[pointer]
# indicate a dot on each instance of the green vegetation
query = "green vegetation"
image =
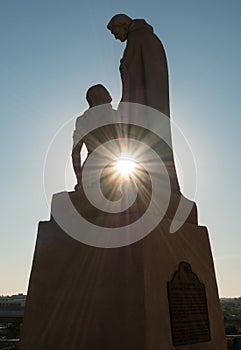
(9, 330)
(231, 308)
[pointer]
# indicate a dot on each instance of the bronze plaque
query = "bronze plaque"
(188, 307)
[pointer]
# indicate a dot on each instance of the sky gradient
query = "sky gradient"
(53, 51)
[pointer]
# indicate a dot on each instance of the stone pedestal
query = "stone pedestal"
(159, 293)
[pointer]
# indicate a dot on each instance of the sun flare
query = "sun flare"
(126, 165)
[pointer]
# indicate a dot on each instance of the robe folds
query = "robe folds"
(143, 68)
(144, 75)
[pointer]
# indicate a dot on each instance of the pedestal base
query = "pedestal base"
(87, 298)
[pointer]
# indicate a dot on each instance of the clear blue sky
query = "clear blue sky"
(52, 51)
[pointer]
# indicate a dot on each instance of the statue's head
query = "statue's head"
(119, 25)
(98, 95)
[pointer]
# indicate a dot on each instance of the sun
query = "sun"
(125, 165)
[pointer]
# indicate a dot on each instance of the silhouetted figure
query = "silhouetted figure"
(96, 95)
(143, 66)
(144, 76)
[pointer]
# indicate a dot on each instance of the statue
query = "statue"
(143, 67)
(96, 95)
(144, 76)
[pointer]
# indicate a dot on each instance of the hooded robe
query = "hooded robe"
(144, 76)
(143, 68)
